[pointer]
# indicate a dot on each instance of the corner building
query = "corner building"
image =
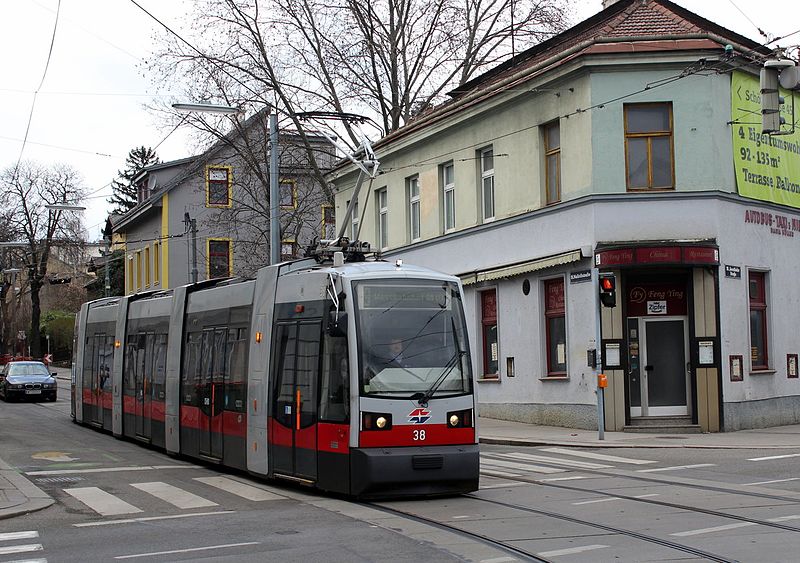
(627, 143)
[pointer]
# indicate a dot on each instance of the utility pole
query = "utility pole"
(274, 192)
(107, 291)
(191, 228)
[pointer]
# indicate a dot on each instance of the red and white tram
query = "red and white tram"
(352, 377)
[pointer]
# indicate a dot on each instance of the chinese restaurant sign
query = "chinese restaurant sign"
(767, 167)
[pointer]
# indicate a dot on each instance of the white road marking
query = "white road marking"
(110, 469)
(102, 502)
(555, 460)
(148, 519)
(674, 468)
(498, 473)
(784, 518)
(570, 550)
(775, 481)
(601, 457)
(523, 466)
(714, 529)
(28, 561)
(503, 485)
(595, 501)
(499, 560)
(573, 478)
(174, 495)
(20, 548)
(646, 496)
(188, 550)
(240, 489)
(771, 457)
(19, 535)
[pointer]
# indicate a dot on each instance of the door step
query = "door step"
(300, 480)
(663, 425)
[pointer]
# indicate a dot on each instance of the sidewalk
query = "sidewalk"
(493, 431)
(18, 495)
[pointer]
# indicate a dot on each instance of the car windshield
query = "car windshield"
(27, 369)
(412, 338)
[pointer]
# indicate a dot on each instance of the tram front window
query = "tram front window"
(411, 339)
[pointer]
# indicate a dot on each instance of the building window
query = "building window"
(288, 194)
(449, 197)
(381, 205)
(758, 320)
(147, 266)
(489, 332)
(552, 161)
(486, 157)
(288, 249)
(131, 275)
(648, 146)
(328, 222)
(218, 186)
(354, 219)
(219, 258)
(555, 327)
(156, 262)
(412, 187)
(138, 270)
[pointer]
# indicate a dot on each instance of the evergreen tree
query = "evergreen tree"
(124, 197)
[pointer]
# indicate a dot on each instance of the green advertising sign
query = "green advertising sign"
(767, 166)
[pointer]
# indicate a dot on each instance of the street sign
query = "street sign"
(48, 358)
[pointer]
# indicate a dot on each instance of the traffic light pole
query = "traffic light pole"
(598, 364)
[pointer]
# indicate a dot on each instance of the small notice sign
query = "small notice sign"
(580, 276)
(656, 307)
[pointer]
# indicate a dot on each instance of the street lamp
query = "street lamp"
(64, 207)
(274, 189)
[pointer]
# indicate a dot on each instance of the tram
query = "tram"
(344, 373)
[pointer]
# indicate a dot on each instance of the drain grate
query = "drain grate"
(59, 479)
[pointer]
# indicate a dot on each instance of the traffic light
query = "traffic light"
(608, 290)
(775, 73)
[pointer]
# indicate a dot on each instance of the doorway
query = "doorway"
(659, 384)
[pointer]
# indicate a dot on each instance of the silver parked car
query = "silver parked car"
(27, 380)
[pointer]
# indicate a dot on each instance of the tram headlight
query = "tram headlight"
(460, 419)
(376, 421)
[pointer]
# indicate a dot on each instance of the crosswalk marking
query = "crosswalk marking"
(601, 457)
(675, 467)
(554, 460)
(595, 501)
(238, 488)
(11, 549)
(174, 495)
(773, 481)
(29, 561)
(491, 462)
(571, 550)
(149, 519)
(102, 502)
(714, 529)
(111, 469)
(9, 536)
(493, 473)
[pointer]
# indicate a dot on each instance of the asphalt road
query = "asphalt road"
(117, 500)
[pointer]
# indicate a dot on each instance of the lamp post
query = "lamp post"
(274, 175)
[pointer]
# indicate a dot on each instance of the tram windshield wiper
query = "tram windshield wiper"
(450, 366)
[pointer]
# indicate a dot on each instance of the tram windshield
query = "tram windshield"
(411, 338)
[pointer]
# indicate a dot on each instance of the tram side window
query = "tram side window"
(283, 392)
(236, 378)
(105, 375)
(159, 366)
(307, 374)
(335, 399)
(89, 358)
(190, 376)
(129, 380)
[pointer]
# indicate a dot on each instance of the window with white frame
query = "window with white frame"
(412, 186)
(382, 208)
(486, 157)
(354, 219)
(449, 197)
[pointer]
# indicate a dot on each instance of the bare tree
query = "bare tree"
(25, 191)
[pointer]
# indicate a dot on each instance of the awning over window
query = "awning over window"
(511, 270)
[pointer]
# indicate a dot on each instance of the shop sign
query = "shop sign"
(650, 299)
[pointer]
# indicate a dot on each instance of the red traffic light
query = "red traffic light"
(608, 290)
(607, 284)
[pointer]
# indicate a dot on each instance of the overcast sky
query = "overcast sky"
(89, 110)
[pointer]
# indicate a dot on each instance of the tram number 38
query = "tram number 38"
(419, 435)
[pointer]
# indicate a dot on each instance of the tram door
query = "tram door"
(97, 376)
(293, 429)
(212, 392)
(143, 382)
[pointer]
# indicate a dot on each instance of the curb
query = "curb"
(30, 497)
(567, 444)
